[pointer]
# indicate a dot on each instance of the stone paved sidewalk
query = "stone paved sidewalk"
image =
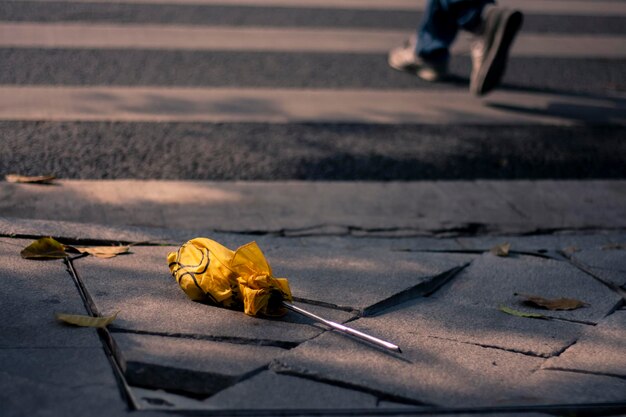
(436, 298)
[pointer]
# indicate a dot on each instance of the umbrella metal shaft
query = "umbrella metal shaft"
(344, 329)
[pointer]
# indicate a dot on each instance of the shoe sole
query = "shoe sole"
(494, 66)
(425, 74)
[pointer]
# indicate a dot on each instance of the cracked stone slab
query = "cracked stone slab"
(601, 349)
(434, 207)
(556, 387)
(199, 367)
(150, 300)
(488, 327)
(58, 382)
(75, 231)
(430, 371)
(607, 263)
(269, 390)
(541, 242)
(364, 279)
(491, 281)
(34, 291)
(357, 243)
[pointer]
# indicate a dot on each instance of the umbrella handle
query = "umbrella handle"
(345, 329)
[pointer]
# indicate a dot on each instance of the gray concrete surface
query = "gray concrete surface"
(186, 365)
(600, 350)
(432, 317)
(431, 371)
(47, 368)
(364, 280)
(492, 281)
(458, 350)
(555, 387)
(418, 208)
(140, 286)
(32, 293)
(289, 392)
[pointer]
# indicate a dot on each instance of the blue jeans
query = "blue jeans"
(441, 23)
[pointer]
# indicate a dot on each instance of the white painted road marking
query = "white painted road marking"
(89, 35)
(546, 7)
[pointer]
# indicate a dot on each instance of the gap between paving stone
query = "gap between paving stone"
(196, 367)
(151, 301)
(491, 281)
(486, 346)
(365, 279)
(600, 350)
(189, 336)
(420, 290)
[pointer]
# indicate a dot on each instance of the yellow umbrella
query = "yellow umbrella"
(208, 271)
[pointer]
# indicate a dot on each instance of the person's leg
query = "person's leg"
(441, 23)
(491, 48)
(427, 54)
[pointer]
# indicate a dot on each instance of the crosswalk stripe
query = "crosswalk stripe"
(274, 105)
(551, 7)
(84, 35)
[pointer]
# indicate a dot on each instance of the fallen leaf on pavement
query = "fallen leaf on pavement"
(614, 246)
(501, 250)
(571, 250)
(518, 313)
(552, 304)
(103, 252)
(44, 248)
(85, 321)
(24, 179)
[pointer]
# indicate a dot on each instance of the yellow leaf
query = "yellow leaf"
(44, 248)
(552, 304)
(501, 250)
(518, 313)
(104, 252)
(85, 321)
(23, 179)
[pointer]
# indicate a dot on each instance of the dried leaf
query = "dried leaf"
(23, 179)
(571, 250)
(85, 321)
(614, 246)
(518, 313)
(103, 252)
(501, 250)
(552, 304)
(44, 248)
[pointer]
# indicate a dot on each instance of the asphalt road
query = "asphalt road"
(315, 151)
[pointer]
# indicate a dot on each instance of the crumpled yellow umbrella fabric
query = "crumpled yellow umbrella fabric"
(208, 271)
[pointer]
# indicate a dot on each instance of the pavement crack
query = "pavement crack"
(108, 344)
(587, 270)
(281, 368)
(487, 346)
(563, 349)
(506, 201)
(331, 306)
(423, 289)
(223, 339)
(580, 371)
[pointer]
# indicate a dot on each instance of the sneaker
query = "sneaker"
(490, 51)
(404, 58)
